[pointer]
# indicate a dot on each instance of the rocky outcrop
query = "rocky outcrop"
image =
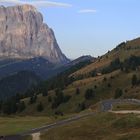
(24, 35)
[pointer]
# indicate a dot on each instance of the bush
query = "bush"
(89, 94)
(105, 79)
(109, 85)
(77, 91)
(134, 80)
(95, 87)
(45, 93)
(49, 99)
(40, 107)
(66, 98)
(59, 113)
(81, 106)
(21, 106)
(33, 99)
(118, 93)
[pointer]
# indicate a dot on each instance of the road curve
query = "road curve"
(106, 105)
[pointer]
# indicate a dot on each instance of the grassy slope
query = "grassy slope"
(116, 79)
(120, 80)
(105, 60)
(99, 127)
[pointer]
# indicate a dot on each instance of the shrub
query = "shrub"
(21, 106)
(109, 85)
(89, 94)
(49, 99)
(45, 93)
(77, 91)
(134, 80)
(33, 99)
(81, 106)
(59, 113)
(95, 87)
(118, 93)
(40, 107)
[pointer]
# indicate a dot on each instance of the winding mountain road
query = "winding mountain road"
(106, 106)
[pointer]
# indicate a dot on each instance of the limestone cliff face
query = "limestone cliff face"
(24, 35)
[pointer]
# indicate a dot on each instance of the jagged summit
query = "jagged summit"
(25, 7)
(24, 35)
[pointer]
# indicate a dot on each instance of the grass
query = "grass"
(99, 127)
(14, 125)
(102, 91)
(126, 106)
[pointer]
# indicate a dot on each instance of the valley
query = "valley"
(44, 95)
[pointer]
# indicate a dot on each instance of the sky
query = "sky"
(88, 27)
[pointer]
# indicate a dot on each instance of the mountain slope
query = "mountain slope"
(123, 51)
(18, 83)
(39, 65)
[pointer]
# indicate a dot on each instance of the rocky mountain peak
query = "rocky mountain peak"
(23, 35)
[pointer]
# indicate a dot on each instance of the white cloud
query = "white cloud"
(39, 3)
(87, 11)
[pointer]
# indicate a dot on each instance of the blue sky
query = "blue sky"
(91, 26)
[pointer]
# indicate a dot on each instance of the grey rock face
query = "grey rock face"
(23, 35)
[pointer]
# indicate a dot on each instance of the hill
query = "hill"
(113, 78)
(18, 83)
(105, 126)
(122, 51)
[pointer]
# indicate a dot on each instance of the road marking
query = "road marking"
(126, 112)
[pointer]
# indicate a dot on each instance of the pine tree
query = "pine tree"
(134, 80)
(21, 106)
(40, 107)
(45, 93)
(77, 91)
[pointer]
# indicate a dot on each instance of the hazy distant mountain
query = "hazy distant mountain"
(24, 35)
(18, 83)
(81, 59)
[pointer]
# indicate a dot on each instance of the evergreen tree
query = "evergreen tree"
(49, 99)
(134, 80)
(45, 93)
(21, 106)
(89, 94)
(40, 107)
(77, 91)
(118, 93)
(33, 99)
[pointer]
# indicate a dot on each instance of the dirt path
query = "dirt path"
(126, 112)
(36, 136)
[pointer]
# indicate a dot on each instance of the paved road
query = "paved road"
(12, 137)
(59, 123)
(106, 105)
